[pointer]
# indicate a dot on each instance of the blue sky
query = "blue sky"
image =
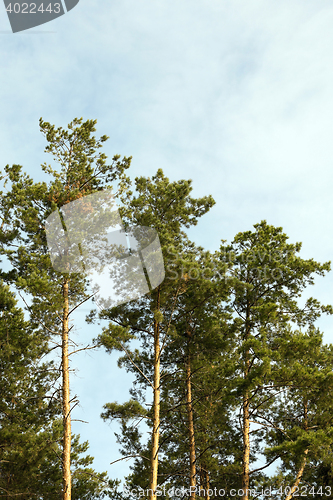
(237, 96)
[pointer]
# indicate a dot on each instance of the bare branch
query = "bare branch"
(83, 349)
(136, 366)
(267, 465)
(128, 457)
(78, 305)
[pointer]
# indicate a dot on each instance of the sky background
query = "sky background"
(237, 96)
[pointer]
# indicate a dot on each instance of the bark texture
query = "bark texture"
(204, 482)
(156, 407)
(246, 447)
(298, 477)
(66, 453)
(190, 429)
(303, 463)
(246, 414)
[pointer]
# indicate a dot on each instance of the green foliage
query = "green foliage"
(114, 336)
(25, 205)
(233, 318)
(229, 325)
(30, 429)
(130, 409)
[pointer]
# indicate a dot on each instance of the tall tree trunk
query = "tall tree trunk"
(303, 463)
(204, 471)
(246, 446)
(298, 477)
(207, 485)
(246, 414)
(202, 481)
(156, 406)
(66, 453)
(190, 428)
(8, 484)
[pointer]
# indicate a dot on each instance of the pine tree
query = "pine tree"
(271, 277)
(300, 425)
(192, 392)
(27, 408)
(25, 208)
(168, 208)
(30, 429)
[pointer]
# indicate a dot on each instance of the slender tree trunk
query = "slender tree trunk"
(207, 485)
(246, 416)
(303, 464)
(66, 454)
(202, 481)
(8, 484)
(246, 447)
(190, 428)
(204, 471)
(298, 477)
(156, 407)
